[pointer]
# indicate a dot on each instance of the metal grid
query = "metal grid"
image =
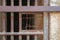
(12, 33)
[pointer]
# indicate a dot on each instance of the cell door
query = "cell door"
(22, 25)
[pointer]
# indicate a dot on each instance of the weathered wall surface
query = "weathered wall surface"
(39, 24)
(55, 26)
(39, 21)
(58, 25)
(40, 2)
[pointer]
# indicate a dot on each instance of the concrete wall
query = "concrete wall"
(40, 2)
(55, 26)
(39, 24)
(39, 21)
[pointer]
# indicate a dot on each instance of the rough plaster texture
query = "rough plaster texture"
(55, 26)
(39, 21)
(40, 2)
(39, 24)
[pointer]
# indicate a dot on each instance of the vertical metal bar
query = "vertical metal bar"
(12, 21)
(46, 21)
(35, 37)
(46, 26)
(36, 3)
(20, 2)
(46, 2)
(4, 24)
(20, 37)
(12, 2)
(12, 25)
(28, 2)
(4, 2)
(27, 37)
(20, 25)
(4, 20)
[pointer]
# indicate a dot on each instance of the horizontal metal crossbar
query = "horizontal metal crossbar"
(29, 8)
(20, 33)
